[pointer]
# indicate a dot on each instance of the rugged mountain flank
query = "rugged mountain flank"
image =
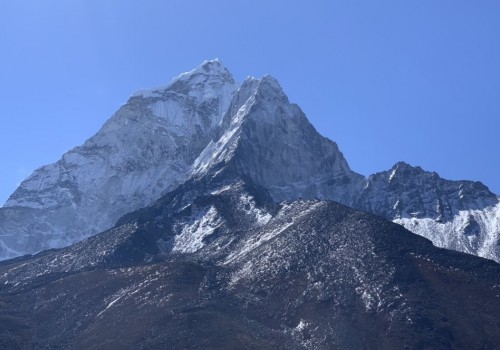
(203, 122)
(271, 141)
(217, 264)
(144, 149)
(242, 246)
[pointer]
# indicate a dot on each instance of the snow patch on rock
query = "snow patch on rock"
(453, 234)
(203, 224)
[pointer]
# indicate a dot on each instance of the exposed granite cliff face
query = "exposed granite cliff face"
(410, 192)
(270, 140)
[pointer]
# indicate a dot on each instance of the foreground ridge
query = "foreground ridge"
(217, 263)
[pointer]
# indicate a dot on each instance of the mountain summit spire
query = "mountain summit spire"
(209, 72)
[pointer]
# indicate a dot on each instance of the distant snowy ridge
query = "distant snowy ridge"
(458, 215)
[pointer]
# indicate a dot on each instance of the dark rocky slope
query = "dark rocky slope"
(216, 264)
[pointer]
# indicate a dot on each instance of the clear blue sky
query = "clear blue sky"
(388, 80)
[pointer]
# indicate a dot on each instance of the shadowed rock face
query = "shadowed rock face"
(216, 264)
(271, 141)
(412, 192)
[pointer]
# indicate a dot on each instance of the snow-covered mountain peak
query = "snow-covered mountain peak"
(400, 170)
(145, 148)
(266, 87)
(209, 73)
(196, 99)
(269, 90)
(204, 124)
(209, 67)
(271, 84)
(405, 166)
(265, 95)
